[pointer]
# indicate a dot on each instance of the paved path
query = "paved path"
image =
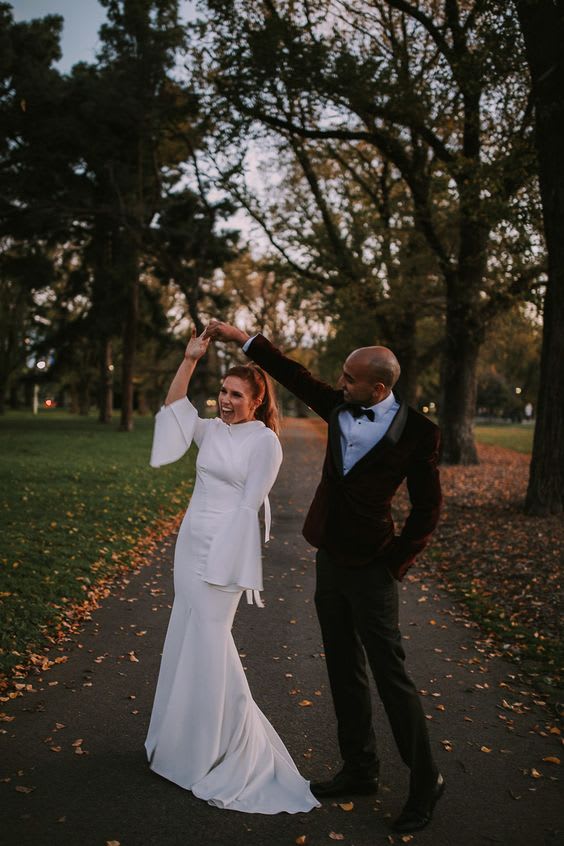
(486, 732)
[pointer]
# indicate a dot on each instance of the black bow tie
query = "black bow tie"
(358, 411)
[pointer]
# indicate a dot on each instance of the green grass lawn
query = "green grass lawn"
(74, 494)
(517, 437)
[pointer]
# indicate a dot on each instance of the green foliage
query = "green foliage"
(101, 177)
(74, 495)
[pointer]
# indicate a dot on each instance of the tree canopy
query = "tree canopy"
(388, 153)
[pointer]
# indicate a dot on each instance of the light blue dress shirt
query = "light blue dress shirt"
(359, 434)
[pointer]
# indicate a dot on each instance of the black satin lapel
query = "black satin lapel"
(397, 425)
(335, 439)
(389, 440)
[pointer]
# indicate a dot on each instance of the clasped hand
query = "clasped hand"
(215, 330)
(220, 331)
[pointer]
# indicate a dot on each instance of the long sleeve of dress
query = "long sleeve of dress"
(234, 558)
(176, 426)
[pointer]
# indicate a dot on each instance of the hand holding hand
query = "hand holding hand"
(224, 332)
(197, 346)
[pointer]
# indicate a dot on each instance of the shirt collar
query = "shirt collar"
(383, 406)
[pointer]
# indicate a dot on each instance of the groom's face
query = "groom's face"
(358, 385)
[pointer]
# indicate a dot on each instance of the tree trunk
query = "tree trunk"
(14, 395)
(104, 309)
(84, 397)
(142, 404)
(542, 25)
(74, 406)
(405, 348)
(459, 382)
(106, 397)
(129, 345)
(3, 391)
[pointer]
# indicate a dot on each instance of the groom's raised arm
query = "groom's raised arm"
(318, 395)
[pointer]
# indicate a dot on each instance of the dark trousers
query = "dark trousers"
(358, 614)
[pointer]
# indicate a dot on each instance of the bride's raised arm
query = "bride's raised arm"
(195, 349)
(177, 423)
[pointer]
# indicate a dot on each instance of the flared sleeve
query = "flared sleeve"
(234, 558)
(176, 426)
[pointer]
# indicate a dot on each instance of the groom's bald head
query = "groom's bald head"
(379, 364)
(369, 374)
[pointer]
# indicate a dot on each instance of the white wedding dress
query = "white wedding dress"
(206, 733)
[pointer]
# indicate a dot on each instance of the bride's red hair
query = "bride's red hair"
(262, 390)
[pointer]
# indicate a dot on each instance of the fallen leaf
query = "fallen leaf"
(551, 759)
(305, 703)
(535, 773)
(346, 806)
(21, 789)
(299, 841)
(485, 749)
(334, 836)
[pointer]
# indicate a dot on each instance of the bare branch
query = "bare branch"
(425, 21)
(306, 272)
(340, 250)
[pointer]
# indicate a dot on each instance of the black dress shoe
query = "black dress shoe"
(418, 813)
(346, 784)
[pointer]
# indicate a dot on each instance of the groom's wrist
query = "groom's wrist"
(247, 342)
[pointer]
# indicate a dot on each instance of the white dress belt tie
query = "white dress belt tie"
(255, 594)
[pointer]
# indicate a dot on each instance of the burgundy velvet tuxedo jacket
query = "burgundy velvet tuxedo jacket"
(350, 516)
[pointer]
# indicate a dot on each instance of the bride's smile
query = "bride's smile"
(236, 402)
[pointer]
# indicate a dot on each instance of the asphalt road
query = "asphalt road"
(72, 765)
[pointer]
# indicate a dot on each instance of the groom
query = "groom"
(375, 441)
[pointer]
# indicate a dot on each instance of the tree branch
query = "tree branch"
(303, 271)
(360, 180)
(500, 300)
(425, 21)
(340, 251)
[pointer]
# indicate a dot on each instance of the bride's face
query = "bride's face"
(236, 403)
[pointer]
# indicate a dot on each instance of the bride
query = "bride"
(206, 733)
